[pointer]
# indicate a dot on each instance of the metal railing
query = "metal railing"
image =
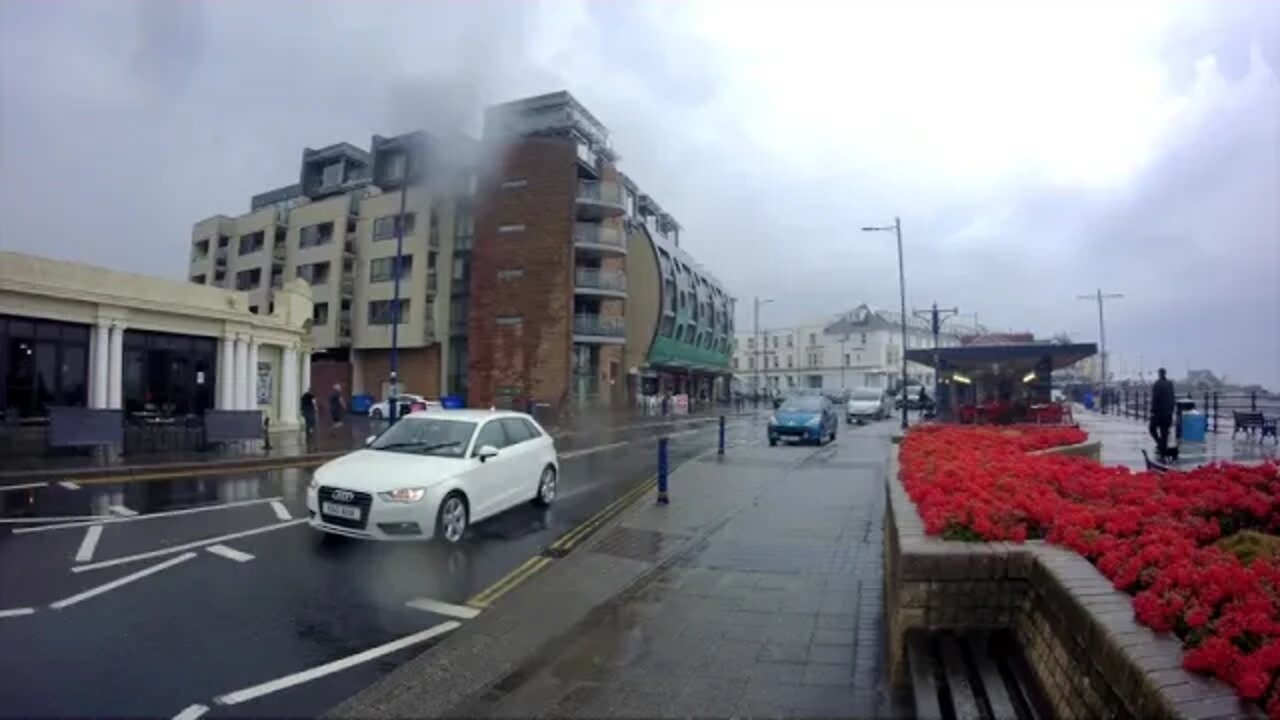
(600, 279)
(600, 191)
(599, 325)
(1218, 407)
(595, 234)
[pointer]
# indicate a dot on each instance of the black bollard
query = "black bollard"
(663, 499)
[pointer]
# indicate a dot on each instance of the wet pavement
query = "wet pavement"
(1124, 439)
(152, 596)
(774, 608)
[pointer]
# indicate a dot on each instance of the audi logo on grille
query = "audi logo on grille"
(343, 495)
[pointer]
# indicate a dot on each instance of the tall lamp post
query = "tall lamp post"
(936, 317)
(1101, 297)
(758, 354)
(896, 228)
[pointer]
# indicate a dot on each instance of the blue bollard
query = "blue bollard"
(721, 450)
(662, 472)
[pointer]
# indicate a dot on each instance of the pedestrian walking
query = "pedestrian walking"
(1162, 405)
(308, 409)
(337, 408)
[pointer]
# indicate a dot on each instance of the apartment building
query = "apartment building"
(559, 310)
(859, 348)
(337, 229)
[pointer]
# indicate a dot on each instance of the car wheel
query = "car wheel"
(376, 414)
(546, 487)
(451, 518)
(773, 442)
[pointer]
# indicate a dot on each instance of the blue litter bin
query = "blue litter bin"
(452, 402)
(360, 404)
(1194, 425)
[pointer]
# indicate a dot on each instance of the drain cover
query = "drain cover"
(633, 544)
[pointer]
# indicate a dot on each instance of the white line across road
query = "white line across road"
(92, 592)
(588, 451)
(16, 612)
(111, 519)
(191, 712)
(78, 520)
(122, 511)
(281, 511)
(69, 485)
(686, 432)
(229, 553)
(24, 486)
(184, 547)
(465, 612)
(288, 681)
(89, 544)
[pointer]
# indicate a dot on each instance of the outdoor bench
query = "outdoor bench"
(1252, 423)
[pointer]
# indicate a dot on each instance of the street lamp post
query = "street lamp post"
(896, 227)
(843, 358)
(936, 317)
(758, 354)
(1101, 297)
(393, 404)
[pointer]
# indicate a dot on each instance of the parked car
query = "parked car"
(804, 417)
(431, 475)
(867, 404)
(408, 403)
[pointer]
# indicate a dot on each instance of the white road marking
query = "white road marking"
(121, 510)
(282, 512)
(288, 681)
(69, 484)
(111, 519)
(229, 553)
(89, 544)
(120, 581)
(686, 432)
(443, 608)
(24, 486)
(187, 546)
(191, 712)
(80, 520)
(588, 451)
(15, 612)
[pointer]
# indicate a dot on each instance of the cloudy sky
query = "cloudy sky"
(1034, 151)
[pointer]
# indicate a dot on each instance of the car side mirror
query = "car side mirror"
(486, 451)
(369, 440)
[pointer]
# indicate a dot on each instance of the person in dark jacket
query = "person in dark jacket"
(337, 408)
(1162, 406)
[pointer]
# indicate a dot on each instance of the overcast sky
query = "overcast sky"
(1034, 151)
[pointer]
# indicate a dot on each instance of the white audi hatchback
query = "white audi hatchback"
(432, 474)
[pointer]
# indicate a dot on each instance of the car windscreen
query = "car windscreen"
(426, 436)
(866, 394)
(802, 404)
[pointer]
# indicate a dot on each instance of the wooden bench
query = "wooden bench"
(972, 674)
(1254, 423)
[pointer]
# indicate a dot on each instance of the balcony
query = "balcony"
(278, 252)
(600, 330)
(598, 200)
(220, 257)
(344, 326)
(599, 239)
(602, 283)
(588, 158)
(347, 287)
(349, 246)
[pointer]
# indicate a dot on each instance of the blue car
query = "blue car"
(804, 417)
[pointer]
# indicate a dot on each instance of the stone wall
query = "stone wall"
(1087, 651)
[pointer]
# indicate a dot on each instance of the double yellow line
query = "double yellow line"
(564, 544)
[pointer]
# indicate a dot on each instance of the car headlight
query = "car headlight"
(315, 483)
(815, 421)
(404, 495)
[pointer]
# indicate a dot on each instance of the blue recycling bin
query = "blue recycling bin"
(360, 404)
(1194, 425)
(452, 402)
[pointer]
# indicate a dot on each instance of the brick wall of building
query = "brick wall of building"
(531, 358)
(418, 369)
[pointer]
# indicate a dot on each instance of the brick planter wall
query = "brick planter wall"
(1089, 654)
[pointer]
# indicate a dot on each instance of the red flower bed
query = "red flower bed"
(1152, 535)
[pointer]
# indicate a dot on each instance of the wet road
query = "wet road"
(204, 587)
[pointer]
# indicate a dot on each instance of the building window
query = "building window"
(253, 309)
(320, 314)
(384, 228)
(224, 240)
(201, 249)
(252, 242)
(668, 326)
(846, 358)
(383, 269)
(249, 279)
(775, 362)
(864, 338)
(313, 235)
(198, 279)
(508, 320)
(514, 228)
(735, 363)
(751, 362)
(813, 339)
(775, 342)
(751, 343)
(789, 360)
(509, 275)
(380, 311)
(514, 183)
(433, 228)
(315, 273)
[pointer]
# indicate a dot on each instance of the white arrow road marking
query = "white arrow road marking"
(282, 512)
(121, 510)
(112, 519)
(89, 544)
(187, 546)
(120, 581)
(191, 712)
(443, 608)
(15, 612)
(69, 485)
(320, 671)
(229, 553)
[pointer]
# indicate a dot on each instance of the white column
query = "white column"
(226, 372)
(238, 393)
(288, 411)
(305, 365)
(115, 370)
(101, 367)
(251, 398)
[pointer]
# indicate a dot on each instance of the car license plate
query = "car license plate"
(350, 512)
